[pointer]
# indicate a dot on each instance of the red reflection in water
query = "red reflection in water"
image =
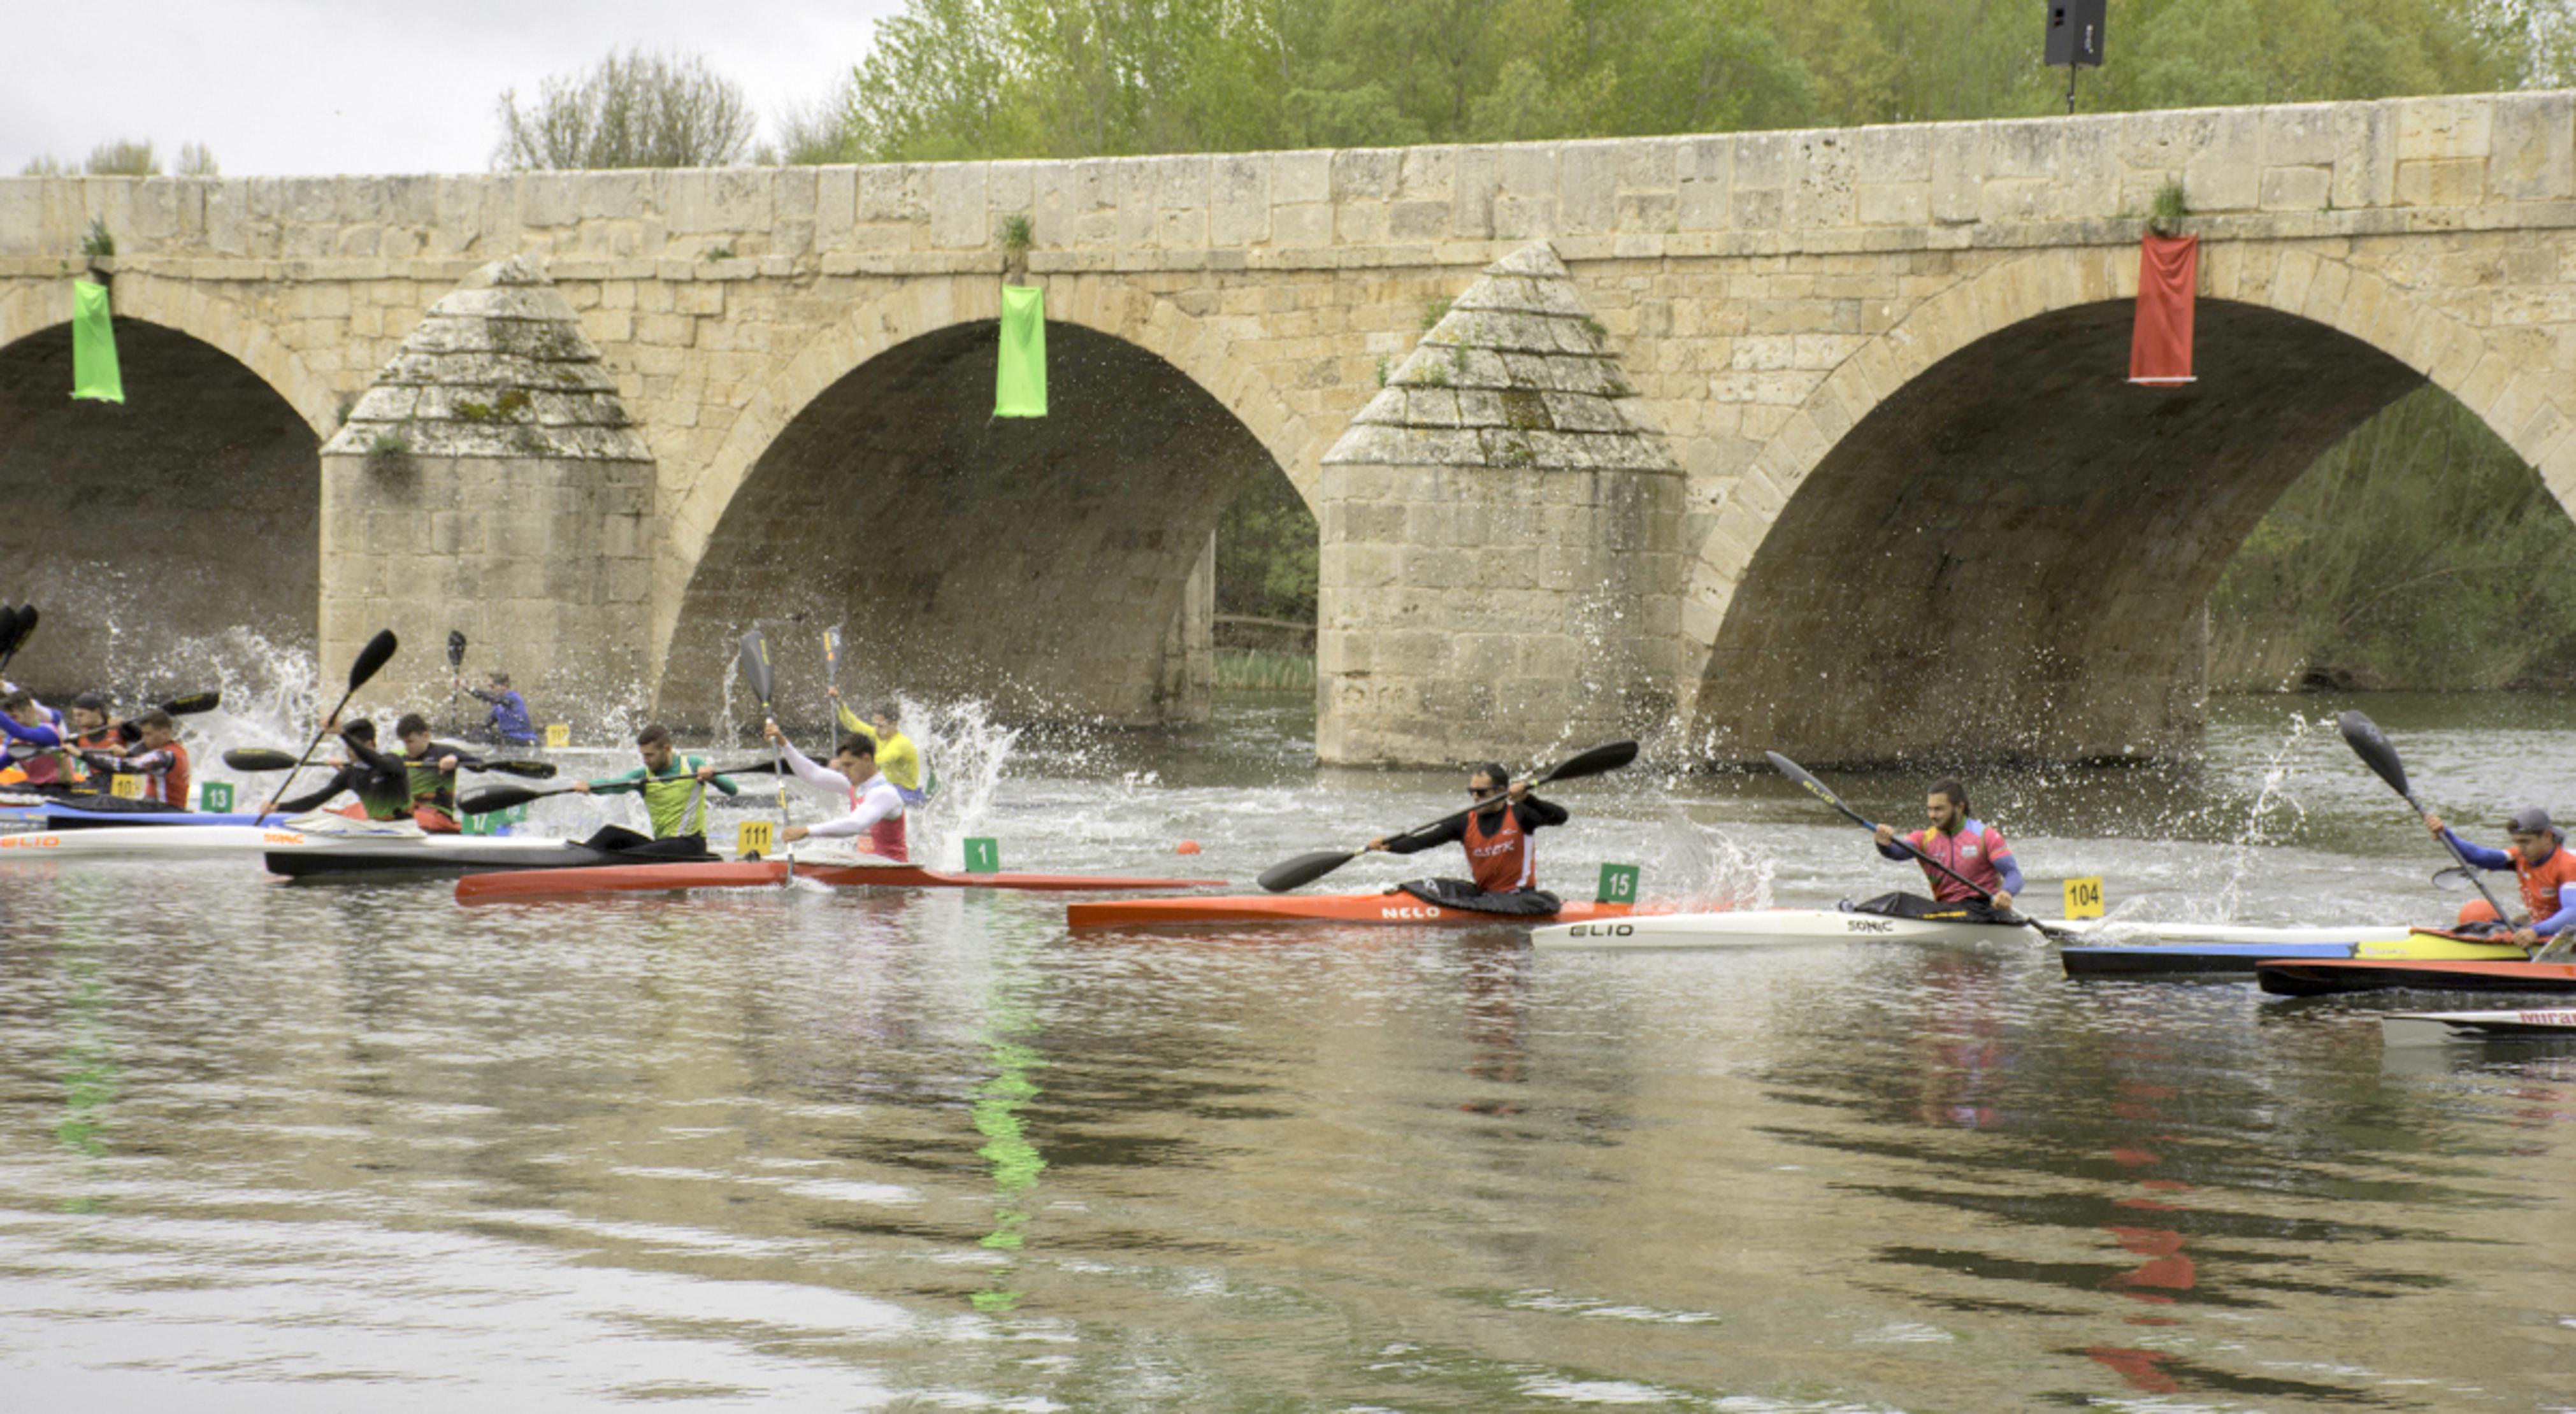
(2141, 1368)
(2164, 1269)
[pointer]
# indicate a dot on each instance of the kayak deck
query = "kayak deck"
(1393, 906)
(2400, 1028)
(758, 873)
(2239, 959)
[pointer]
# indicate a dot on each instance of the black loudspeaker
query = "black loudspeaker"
(2075, 32)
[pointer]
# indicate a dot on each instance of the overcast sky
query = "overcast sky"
(303, 87)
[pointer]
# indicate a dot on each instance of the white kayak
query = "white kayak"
(323, 831)
(2418, 1028)
(1771, 927)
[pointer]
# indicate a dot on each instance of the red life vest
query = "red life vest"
(171, 786)
(1970, 853)
(1502, 858)
(2541, 882)
(886, 838)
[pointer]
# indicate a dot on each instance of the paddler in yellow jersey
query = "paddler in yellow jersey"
(898, 760)
(674, 788)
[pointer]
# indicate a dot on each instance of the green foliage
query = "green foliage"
(122, 158)
(1264, 670)
(198, 160)
(2169, 208)
(44, 164)
(98, 242)
(634, 109)
(1266, 547)
(1017, 234)
(2420, 552)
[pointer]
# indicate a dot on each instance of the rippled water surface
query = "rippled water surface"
(294, 1148)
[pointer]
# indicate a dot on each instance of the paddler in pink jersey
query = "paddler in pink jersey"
(1967, 846)
(876, 807)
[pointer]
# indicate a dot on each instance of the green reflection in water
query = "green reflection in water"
(89, 1067)
(1016, 1161)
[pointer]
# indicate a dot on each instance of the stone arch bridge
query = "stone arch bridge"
(1817, 440)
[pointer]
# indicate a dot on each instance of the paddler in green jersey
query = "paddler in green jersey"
(898, 760)
(430, 768)
(674, 788)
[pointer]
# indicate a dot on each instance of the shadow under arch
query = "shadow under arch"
(2009, 555)
(146, 529)
(1056, 567)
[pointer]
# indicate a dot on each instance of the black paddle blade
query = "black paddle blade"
(255, 758)
(1798, 773)
(2371, 744)
(1304, 869)
(27, 617)
(1608, 757)
(755, 668)
(372, 658)
(486, 799)
(193, 703)
(8, 629)
(532, 770)
(455, 648)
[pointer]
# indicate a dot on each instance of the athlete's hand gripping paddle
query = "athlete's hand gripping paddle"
(370, 659)
(483, 800)
(2371, 744)
(756, 672)
(1307, 868)
(1821, 791)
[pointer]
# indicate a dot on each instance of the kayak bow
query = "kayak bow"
(1393, 906)
(770, 873)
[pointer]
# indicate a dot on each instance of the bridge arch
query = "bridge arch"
(148, 532)
(1971, 538)
(1056, 566)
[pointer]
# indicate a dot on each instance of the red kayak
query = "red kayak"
(1393, 906)
(2312, 977)
(756, 873)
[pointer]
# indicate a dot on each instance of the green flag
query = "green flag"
(1019, 388)
(94, 372)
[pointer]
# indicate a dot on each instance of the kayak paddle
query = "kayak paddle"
(371, 659)
(18, 633)
(2371, 744)
(455, 670)
(260, 758)
(1821, 791)
(832, 680)
(189, 705)
(483, 800)
(1307, 868)
(755, 671)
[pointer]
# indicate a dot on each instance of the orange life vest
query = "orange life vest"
(1503, 858)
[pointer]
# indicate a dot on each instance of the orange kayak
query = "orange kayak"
(756, 873)
(2317, 977)
(1393, 906)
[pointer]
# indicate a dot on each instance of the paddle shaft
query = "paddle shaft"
(300, 761)
(372, 657)
(1820, 791)
(1306, 869)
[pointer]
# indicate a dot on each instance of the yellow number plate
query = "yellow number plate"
(755, 838)
(2084, 898)
(559, 734)
(126, 788)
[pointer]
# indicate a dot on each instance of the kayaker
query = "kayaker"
(674, 788)
(159, 758)
(2545, 868)
(36, 741)
(1500, 853)
(876, 807)
(1966, 845)
(381, 783)
(429, 768)
(509, 723)
(897, 757)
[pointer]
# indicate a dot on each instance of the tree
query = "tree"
(635, 109)
(196, 160)
(122, 158)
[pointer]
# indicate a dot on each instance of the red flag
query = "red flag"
(2160, 347)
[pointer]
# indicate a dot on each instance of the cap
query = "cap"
(2532, 820)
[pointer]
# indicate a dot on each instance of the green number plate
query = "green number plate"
(1618, 883)
(983, 856)
(215, 797)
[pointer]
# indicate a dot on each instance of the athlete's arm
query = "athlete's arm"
(1533, 812)
(874, 805)
(1902, 851)
(618, 785)
(2008, 870)
(346, 778)
(2566, 914)
(1446, 832)
(33, 736)
(822, 778)
(2478, 854)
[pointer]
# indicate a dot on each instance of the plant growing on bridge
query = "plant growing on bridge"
(2169, 209)
(1017, 235)
(98, 244)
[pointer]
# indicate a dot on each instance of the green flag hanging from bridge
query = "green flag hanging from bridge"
(1019, 387)
(94, 373)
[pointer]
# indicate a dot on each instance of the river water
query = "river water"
(284, 1147)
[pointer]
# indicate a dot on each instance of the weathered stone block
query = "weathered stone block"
(2297, 188)
(2225, 172)
(2533, 142)
(2442, 129)
(958, 214)
(1240, 193)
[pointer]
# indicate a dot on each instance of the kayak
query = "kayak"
(1761, 927)
(2219, 950)
(438, 856)
(2322, 976)
(57, 816)
(1392, 906)
(205, 840)
(770, 873)
(2405, 1028)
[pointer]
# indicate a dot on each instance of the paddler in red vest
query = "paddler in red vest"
(1496, 835)
(158, 758)
(876, 807)
(2538, 857)
(1967, 846)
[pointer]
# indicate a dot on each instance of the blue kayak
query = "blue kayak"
(2186, 959)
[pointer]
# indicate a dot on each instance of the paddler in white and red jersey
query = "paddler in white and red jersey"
(876, 807)
(1496, 834)
(1965, 845)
